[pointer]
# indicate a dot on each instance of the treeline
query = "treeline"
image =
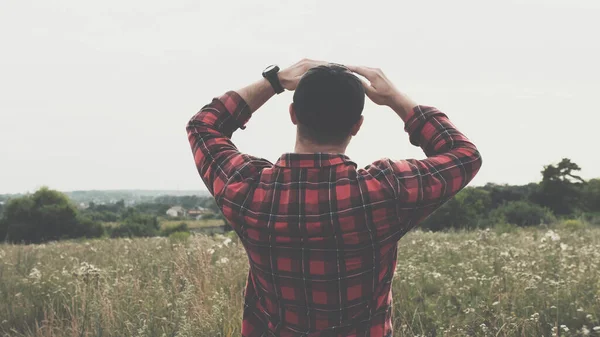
(49, 215)
(560, 195)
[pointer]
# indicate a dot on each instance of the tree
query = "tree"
(44, 216)
(560, 189)
(591, 196)
(501, 194)
(522, 213)
(136, 224)
(466, 210)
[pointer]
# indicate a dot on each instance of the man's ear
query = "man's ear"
(357, 126)
(293, 114)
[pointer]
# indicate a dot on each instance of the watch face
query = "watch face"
(270, 68)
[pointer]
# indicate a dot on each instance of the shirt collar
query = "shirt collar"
(307, 160)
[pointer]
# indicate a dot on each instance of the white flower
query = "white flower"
(551, 235)
(35, 274)
(211, 251)
(585, 331)
(223, 260)
(589, 316)
(227, 242)
(596, 328)
(565, 328)
(564, 246)
(495, 303)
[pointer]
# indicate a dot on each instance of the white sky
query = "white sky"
(96, 94)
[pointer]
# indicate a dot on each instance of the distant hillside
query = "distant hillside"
(112, 196)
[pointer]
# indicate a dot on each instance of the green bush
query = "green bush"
(182, 227)
(592, 218)
(503, 227)
(573, 225)
(523, 213)
(136, 225)
(46, 215)
(467, 210)
(179, 237)
(208, 216)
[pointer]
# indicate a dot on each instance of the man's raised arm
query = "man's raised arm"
(209, 131)
(421, 186)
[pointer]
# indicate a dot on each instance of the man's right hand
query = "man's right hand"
(289, 77)
(383, 92)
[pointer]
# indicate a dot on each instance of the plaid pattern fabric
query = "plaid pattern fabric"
(320, 234)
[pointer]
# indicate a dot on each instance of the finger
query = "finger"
(368, 73)
(315, 63)
(369, 90)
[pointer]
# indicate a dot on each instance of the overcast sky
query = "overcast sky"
(96, 94)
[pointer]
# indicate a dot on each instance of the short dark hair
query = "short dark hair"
(328, 102)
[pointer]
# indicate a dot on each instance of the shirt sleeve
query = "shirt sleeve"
(209, 132)
(422, 186)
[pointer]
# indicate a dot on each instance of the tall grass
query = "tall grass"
(518, 283)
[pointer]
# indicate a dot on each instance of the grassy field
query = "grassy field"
(521, 283)
(192, 224)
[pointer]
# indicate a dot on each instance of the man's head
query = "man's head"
(328, 104)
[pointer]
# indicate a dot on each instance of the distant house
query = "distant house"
(198, 212)
(176, 211)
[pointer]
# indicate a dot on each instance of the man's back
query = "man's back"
(321, 239)
(321, 234)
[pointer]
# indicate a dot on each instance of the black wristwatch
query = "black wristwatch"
(271, 75)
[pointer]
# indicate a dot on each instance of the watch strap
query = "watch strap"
(273, 79)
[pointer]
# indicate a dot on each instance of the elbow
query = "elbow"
(475, 162)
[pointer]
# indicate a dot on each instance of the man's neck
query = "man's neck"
(313, 148)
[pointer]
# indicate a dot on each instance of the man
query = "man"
(320, 234)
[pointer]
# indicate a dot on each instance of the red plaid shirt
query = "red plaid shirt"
(321, 235)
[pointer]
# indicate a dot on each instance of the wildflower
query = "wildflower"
(534, 317)
(495, 303)
(564, 246)
(596, 328)
(211, 251)
(565, 328)
(585, 331)
(589, 316)
(35, 274)
(223, 260)
(226, 242)
(551, 235)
